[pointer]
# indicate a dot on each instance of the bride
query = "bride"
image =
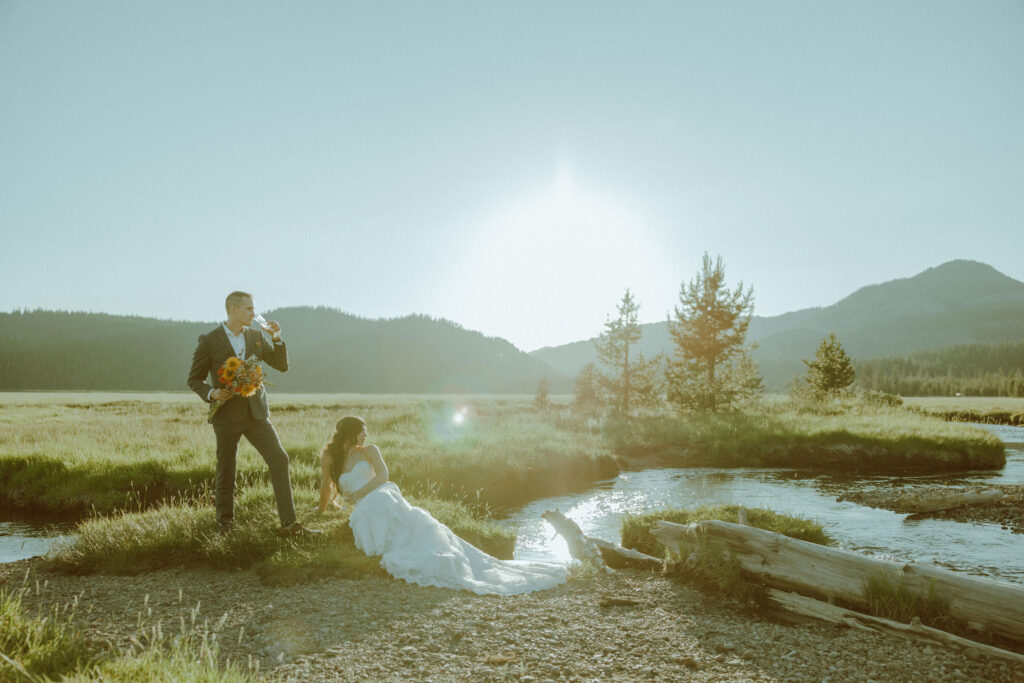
(413, 545)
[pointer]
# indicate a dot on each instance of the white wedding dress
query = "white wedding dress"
(417, 548)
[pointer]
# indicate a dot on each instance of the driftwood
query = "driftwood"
(600, 552)
(917, 499)
(833, 575)
(804, 606)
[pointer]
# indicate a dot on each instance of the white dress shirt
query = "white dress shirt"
(238, 346)
(237, 341)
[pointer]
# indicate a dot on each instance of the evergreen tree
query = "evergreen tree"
(587, 390)
(831, 370)
(711, 370)
(541, 399)
(631, 380)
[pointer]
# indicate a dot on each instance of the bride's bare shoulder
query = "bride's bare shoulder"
(369, 449)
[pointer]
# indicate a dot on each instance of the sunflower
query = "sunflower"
(232, 363)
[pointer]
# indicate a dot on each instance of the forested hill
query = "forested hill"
(968, 369)
(329, 351)
(959, 302)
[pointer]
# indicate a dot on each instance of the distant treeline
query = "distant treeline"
(968, 369)
(329, 351)
(56, 350)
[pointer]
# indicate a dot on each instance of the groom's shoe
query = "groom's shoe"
(296, 529)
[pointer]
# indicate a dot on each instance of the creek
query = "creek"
(982, 549)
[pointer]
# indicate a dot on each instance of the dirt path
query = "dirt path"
(380, 629)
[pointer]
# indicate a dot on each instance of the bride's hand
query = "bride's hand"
(334, 505)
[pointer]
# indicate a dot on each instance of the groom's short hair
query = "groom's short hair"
(235, 299)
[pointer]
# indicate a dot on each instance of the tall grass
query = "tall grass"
(43, 648)
(38, 646)
(144, 470)
(65, 456)
(636, 528)
(891, 598)
(705, 566)
(995, 410)
(978, 404)
(179, 534)
(862, 437)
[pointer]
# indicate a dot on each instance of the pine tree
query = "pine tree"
(542, 398)
(831, 370)
(711, 370)
(587, 390)
(631, 380)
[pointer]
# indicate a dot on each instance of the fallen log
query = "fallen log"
(601, 552)
(804, 606)
(834, 575)
(917, 499)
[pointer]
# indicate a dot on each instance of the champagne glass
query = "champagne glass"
(262, 325)
(261, 321)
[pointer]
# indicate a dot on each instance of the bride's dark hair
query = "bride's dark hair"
(345, 433)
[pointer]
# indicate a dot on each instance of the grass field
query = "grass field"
(855, 437)
(78, 453)
(140, 467)
(988, 410)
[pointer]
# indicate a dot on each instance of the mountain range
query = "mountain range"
(959, 302)
(329, 351)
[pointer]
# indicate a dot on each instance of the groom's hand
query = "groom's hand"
(274, 328)
(221, 395)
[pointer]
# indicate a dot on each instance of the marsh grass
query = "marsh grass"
(705, 566)
(145, 470)
(980, 404)
(888, 596)
(38, 647)
(179, 534)
(50, 647)
(64, 456)
(860, 437)
(186, 658)
(636, 528)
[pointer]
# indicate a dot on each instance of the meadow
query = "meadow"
(138, 469)
(849, 434)
(986, 410)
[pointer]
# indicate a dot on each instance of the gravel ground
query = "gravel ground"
(381, 629)
(1008, 512)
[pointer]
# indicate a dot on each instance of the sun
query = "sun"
(544, 257)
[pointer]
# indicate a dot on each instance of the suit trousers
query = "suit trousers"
(263, 437)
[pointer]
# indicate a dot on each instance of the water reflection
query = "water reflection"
(983, 549)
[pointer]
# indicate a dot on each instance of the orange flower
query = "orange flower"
(232, 363)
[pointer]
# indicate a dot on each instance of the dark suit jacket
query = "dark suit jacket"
(211, 352)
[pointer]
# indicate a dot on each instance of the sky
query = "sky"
(512, 167)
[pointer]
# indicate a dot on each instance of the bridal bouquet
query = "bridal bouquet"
(240, 377)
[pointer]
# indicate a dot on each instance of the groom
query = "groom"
(240, 416)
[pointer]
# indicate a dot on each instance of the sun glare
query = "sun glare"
(565, 240)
